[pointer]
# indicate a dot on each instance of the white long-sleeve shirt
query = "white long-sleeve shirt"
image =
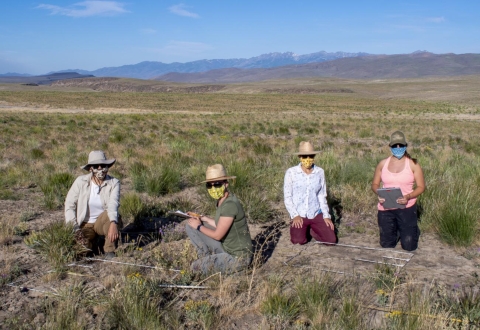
(305, 194)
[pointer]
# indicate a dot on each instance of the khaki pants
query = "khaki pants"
(100, 227)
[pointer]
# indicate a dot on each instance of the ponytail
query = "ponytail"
(414, 160)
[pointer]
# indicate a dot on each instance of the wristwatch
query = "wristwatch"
(198, 227)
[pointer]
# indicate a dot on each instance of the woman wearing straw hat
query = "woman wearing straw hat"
(305, 193)
(402, 171)
(223, 243)
(92, 203)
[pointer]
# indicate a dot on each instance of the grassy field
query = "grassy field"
(163, 143)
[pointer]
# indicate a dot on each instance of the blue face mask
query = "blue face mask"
(398, 152)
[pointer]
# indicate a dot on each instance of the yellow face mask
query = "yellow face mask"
(307, 162)
(216, 193)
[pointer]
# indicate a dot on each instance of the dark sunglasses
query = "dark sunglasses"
(398, 145)
(307, 156)
(214, 184)
(102, 166)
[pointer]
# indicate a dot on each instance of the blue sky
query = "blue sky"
(47, 35)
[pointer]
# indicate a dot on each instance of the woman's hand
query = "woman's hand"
(297, 222)
(112, 232)
(381, 200)
(329, 223)
(403, 200)
(194, 222)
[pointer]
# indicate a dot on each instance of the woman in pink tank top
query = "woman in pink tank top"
(402, 171)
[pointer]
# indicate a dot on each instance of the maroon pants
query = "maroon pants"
(318, 230)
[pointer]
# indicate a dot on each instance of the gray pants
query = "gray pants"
(212, 256)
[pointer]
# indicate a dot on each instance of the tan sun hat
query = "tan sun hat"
(306, 148)
(97, 157)
(216, 173)
(397, 138)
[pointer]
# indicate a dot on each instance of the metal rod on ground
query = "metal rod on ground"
(32, 289)
(183, 286)
(130, 264)
(378, 262)
(325, 270)
(361, 247)
(77, 265)
(395, 258)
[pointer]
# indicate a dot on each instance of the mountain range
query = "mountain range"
(149, 70)
(415, 65)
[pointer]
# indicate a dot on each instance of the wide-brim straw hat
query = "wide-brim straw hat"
(306, 148)
(397, 138)
(97, 157)
(216, 173)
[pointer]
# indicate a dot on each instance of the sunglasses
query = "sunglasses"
(307, 156)
(214, 184)
(398, 145)
(102, 166)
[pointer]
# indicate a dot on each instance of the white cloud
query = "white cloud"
(181, 10)
(87, 8)
(148, 31)
(436, 19)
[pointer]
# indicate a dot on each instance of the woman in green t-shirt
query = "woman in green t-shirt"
(223, 243)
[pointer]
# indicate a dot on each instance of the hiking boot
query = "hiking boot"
(109, 255)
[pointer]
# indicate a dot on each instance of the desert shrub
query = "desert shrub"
(163, 181)
(350, 316)
(55, 189)
(8, 194)
(261, 148)
(385, 277)
(463, 303)
(457, 215)
(37, 153)
(63, 311)
(7, 226)
(28, 215)
(199, 312)
(314, 295)
(172, 232)
(56, 243)
(157, 181)
(280, 309)
(136, 305)
(256, 206)
(131, 207)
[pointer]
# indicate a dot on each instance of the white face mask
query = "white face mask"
(100, 174)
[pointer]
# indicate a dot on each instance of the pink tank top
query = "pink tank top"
(403, 180)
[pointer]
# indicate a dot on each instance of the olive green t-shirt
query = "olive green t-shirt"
(237, 241)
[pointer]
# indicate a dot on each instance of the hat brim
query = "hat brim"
(108, 162)
(219, 179)
(397, 142)
(306, 153)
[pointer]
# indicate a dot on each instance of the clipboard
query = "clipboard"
(180, 214)
(391, 195)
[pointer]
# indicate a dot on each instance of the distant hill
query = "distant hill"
(41, 80)
(14, 74)
(148, 70)
(418, 64)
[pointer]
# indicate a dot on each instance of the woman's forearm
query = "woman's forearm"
(209, 221)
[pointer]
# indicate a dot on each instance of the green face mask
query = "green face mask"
(216, 193)
(307, 162)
